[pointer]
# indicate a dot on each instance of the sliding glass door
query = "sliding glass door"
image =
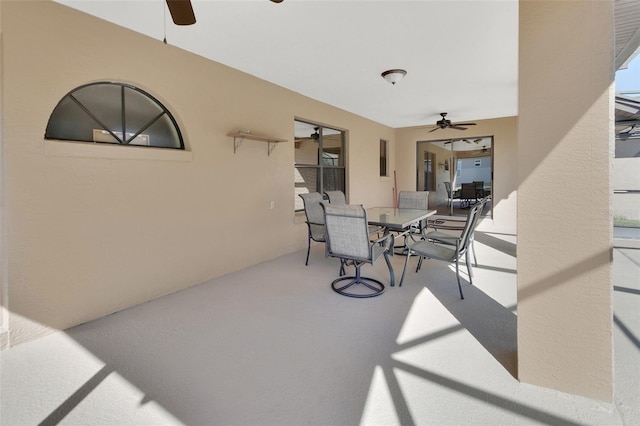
(443, 167)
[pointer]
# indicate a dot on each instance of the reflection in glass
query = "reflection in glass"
(446, 164)
(105, 111)
(319, 159)
(333, 179)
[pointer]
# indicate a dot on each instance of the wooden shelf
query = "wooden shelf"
(240, 135)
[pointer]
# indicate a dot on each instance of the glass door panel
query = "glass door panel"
(444, 165)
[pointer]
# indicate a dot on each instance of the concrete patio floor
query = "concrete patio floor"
(274, 345)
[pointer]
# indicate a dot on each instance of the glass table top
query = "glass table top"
(394, 218)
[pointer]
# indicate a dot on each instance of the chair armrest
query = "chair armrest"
(449, 224)
(381, 239)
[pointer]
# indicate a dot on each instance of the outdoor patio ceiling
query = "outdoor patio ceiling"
(335, 51)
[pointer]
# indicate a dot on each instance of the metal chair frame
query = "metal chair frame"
(348, 240)
(451, 195)
(316, 229)
(456, 225)
(413, 200)
(447, 253)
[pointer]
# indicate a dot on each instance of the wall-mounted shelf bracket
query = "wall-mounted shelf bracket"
(236, 143)
(270, 147)
(240, 135)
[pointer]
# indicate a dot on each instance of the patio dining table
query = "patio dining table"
(398, 220)
(395, 219)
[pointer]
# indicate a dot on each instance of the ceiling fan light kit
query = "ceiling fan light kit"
(394, 76)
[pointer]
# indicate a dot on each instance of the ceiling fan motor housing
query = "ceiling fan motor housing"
(444, 123)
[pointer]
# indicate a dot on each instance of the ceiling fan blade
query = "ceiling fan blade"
(277, 1)
(181, 12)
(433, 130)
(457, 127)
(464, 124)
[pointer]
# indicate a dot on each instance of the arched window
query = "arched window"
(114, 113)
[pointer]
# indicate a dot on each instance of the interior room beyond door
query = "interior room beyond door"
(444, 166)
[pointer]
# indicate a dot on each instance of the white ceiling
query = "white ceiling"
(460, 56)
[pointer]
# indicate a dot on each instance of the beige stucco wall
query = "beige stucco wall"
(95, 229)
(4, 313)
(504, 131)
(564, 221)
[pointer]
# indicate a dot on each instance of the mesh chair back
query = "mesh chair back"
(468, 191)
(413, 200)
(336, 197)
(315, 215)
(469, 226)
(447, 187)
(347, 232)
(479, 188)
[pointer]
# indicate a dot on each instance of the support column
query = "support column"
(564, 218)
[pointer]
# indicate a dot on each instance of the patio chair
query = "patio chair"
(451, 195)
(479, 188)
(468, 195)
(456, 225)
(336, 198)
(446, 253)
(315, 219)
(348, 239)
(414, 200)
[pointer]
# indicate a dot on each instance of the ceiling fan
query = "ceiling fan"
(315, 135)
(461, 140)
(182, 11)
(444, 123)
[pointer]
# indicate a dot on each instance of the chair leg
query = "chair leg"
(406, 260)
(308, 250)
(458, 277)
(419, 265)
(376, 287)
(392, 277)
(467, 260)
